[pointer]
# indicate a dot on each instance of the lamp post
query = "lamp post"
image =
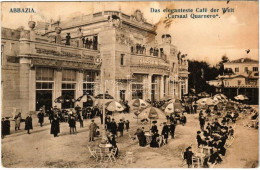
(98, 62)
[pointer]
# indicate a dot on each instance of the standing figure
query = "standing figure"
(127, 125)
(172, 129)
(121, 127)
(87, 43)
(28, 123)
(165, 132)
(154, 127)
(55, 126)
(90, 43)
(80, 118)
(51, 114)
(68, 37)
(202, 122)
(92, 130)
(113, 127)
(154, 143)
(17, 120)
(41, 117)
(188, 156)
(72, 124)
(7, 126)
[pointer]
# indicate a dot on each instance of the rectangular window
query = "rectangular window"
(68, 86)
(89, 76)
(237, 69)
(44, 74)
(255, 68)
(122, 59)
(246, 69)
(68, 75)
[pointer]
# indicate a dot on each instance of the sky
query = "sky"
(203, 39)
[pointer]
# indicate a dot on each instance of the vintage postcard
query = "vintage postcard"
(163, 84)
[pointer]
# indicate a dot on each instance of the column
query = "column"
(24, 85)
(186, 85)
(57, 86)
(149, 87)
(128, 92)
(167, 86)
(32, 90)
(79, 87)
(161, 86)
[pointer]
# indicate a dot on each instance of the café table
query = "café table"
(148, 137)
(103, 151)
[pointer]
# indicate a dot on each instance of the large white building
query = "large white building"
(242, 78)
(39, 65)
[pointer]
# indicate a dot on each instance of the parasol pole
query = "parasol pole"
(104, 112)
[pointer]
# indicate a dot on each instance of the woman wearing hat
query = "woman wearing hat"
(154, 143)
(55, 126)
(154, 127)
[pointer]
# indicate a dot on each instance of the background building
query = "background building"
(243, 78)
(58, 59)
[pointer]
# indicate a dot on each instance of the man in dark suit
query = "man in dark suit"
(28, 123)
(172, 129)
(165, 132)
(121, 127)
(40, 117)
(113, 127)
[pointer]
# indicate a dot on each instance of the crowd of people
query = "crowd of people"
(156, 139)
(218, 131)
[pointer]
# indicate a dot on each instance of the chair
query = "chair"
(111, 155)
(92, 152)
(195, 162)
(230, 141)
(129, 157)
(205, 150)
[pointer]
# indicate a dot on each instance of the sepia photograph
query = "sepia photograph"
(132, 84)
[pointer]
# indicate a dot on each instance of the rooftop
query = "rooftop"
(243, 60)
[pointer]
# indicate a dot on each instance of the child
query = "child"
(127, 125)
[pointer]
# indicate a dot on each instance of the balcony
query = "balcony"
(40, 50)
(142, 60)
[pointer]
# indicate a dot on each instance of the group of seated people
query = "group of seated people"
(153, 137)
(156, 104)
(213, 139)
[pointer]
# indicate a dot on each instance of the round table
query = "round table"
(108, 145)
(148, 137)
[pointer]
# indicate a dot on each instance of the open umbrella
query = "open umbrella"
(114, 106)
(172, 107)
(139, 103)
(85, 98)
(207, 101)
(203, 94)
(64, 99)
(241, 97)
(107, 96)
(152, 113)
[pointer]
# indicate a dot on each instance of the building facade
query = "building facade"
(243, 78)
(62, 59)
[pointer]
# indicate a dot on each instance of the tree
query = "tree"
(200, 73)
(224, 59)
